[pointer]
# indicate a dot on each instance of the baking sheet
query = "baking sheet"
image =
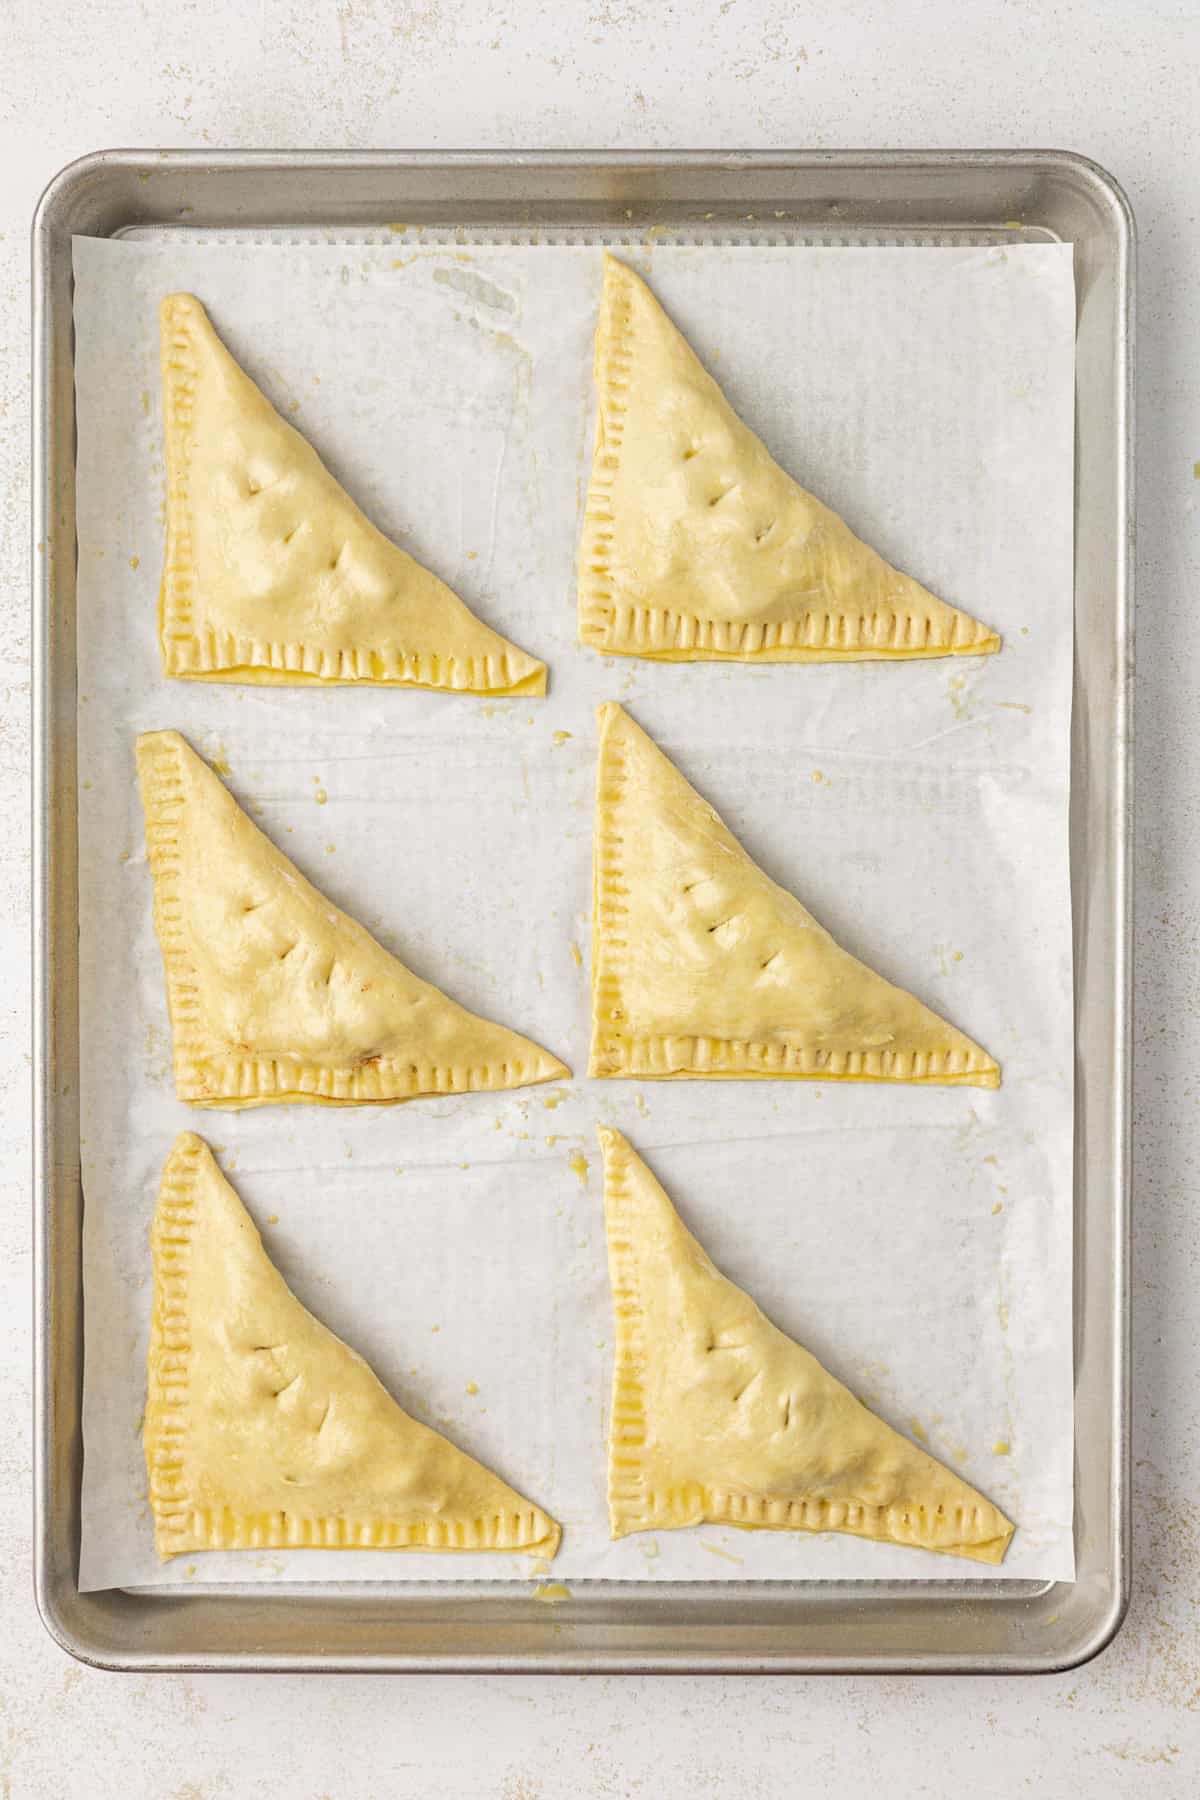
(919, 1240)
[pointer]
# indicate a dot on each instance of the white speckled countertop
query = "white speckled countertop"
(1115, 79)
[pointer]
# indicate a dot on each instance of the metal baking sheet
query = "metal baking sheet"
(784, 198)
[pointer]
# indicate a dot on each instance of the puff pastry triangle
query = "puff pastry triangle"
(274, 994)
(272, 574)
(718, 1416)
(704, 966)
(264, 1431)
(698, 546)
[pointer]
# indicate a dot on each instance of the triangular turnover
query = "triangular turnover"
(264, 1431)
(272, 574)
(274, 994)
(697, 546)
(718, 1416)
(703, 966)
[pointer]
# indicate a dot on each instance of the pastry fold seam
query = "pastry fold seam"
(610, 921)
(613, 363)
(627, 1497)
(656, 1057)
(913, 1524)
(163, 800)
(177, 591)
(170, 1344)
(231, 1082)
(230, 657)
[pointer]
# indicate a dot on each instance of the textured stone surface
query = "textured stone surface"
(1115, 79)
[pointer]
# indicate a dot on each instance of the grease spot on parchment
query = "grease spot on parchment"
(725, 1555)
(475, 287)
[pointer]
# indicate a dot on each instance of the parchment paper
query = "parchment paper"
(917, 1240)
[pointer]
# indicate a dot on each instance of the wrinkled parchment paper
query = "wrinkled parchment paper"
(917, 1240)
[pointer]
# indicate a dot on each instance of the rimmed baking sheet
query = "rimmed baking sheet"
(919, 1241)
